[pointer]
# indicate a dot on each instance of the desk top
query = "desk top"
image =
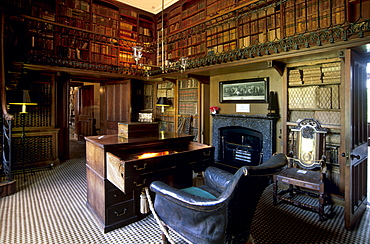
(115, 140)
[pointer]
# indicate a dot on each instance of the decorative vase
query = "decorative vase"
(214, 111)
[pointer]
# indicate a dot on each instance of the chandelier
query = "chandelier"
(137, 53)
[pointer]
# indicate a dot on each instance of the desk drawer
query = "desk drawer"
(127, 173)
(120, 212)
(115, 196)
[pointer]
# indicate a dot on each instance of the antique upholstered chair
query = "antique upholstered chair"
(306, 173)
(222, 210)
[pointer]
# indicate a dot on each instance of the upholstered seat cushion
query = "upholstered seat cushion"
(199, 192)
(303, 175)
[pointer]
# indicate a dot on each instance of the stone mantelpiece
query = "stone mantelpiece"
(262, 123)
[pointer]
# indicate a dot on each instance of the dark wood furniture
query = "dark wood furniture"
(114, 208)
(306, 172)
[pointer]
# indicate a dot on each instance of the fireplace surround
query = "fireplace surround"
(243, 139)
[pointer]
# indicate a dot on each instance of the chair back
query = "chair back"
(246, 195)
(310, 144)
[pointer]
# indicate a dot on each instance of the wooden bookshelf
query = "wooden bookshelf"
(166, 89)
(191, 107)
(74, 13)
(314, 91)
(86, 33)
(103, 34)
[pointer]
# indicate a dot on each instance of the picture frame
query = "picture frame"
(244, 91)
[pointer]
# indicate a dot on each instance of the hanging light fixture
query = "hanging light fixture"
(137, 53)
(183, 63)
(166, 65)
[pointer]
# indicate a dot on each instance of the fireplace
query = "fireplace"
(243, 139)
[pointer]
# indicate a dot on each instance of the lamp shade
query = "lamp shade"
(162, 101)
(22, 98)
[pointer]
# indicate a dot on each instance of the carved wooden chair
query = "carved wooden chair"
(306, 173)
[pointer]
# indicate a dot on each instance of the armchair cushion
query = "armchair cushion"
(199, 192)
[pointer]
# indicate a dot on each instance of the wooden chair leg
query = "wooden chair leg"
(274, 194)
(321, 206)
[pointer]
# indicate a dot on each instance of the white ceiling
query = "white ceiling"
(152, 6)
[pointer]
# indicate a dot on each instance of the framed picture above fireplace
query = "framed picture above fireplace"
(245, 91)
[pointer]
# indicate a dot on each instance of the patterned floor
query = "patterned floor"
(49, 207)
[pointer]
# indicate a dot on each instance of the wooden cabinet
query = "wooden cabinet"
(122, 101)
(34, 136)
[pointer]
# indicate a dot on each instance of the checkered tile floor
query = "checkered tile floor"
(49, 207)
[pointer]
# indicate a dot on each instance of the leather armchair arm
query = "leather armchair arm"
(273, 165)
(185, 199)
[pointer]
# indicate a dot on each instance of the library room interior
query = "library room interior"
(185, 121)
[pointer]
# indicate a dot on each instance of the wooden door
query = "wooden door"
(85, 122)
(116, 105)
(354, 134)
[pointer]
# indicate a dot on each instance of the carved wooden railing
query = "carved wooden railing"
(6, 133)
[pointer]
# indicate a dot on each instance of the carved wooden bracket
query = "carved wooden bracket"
(279, 66)
(201, 78)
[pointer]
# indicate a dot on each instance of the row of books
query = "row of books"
(193, 8)
(71, 53)
(188, 95)
(127, 26)
(74, 22)
(217, 7)
(194, 19)
(176, 11)
(106, 21)
(103, 59)
(105, 49)
(174, 20)
(221, 27)
(220, 38)
(145, 31)
(77, 4)
(105, 11)
(128, 35)
(325, 73)
(128, 12)
(221, 48)
(42, 42)
(190, 108)
(314, 97)
(66, 40)
(125, 57)
(188, 83)
(74, 13)
(312, 15)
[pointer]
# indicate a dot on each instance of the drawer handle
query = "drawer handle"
(137, 167)
(120, 214)
(207, 153)
(136, 184)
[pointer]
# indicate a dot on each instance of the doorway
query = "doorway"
(368, 130)
(84, 115)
